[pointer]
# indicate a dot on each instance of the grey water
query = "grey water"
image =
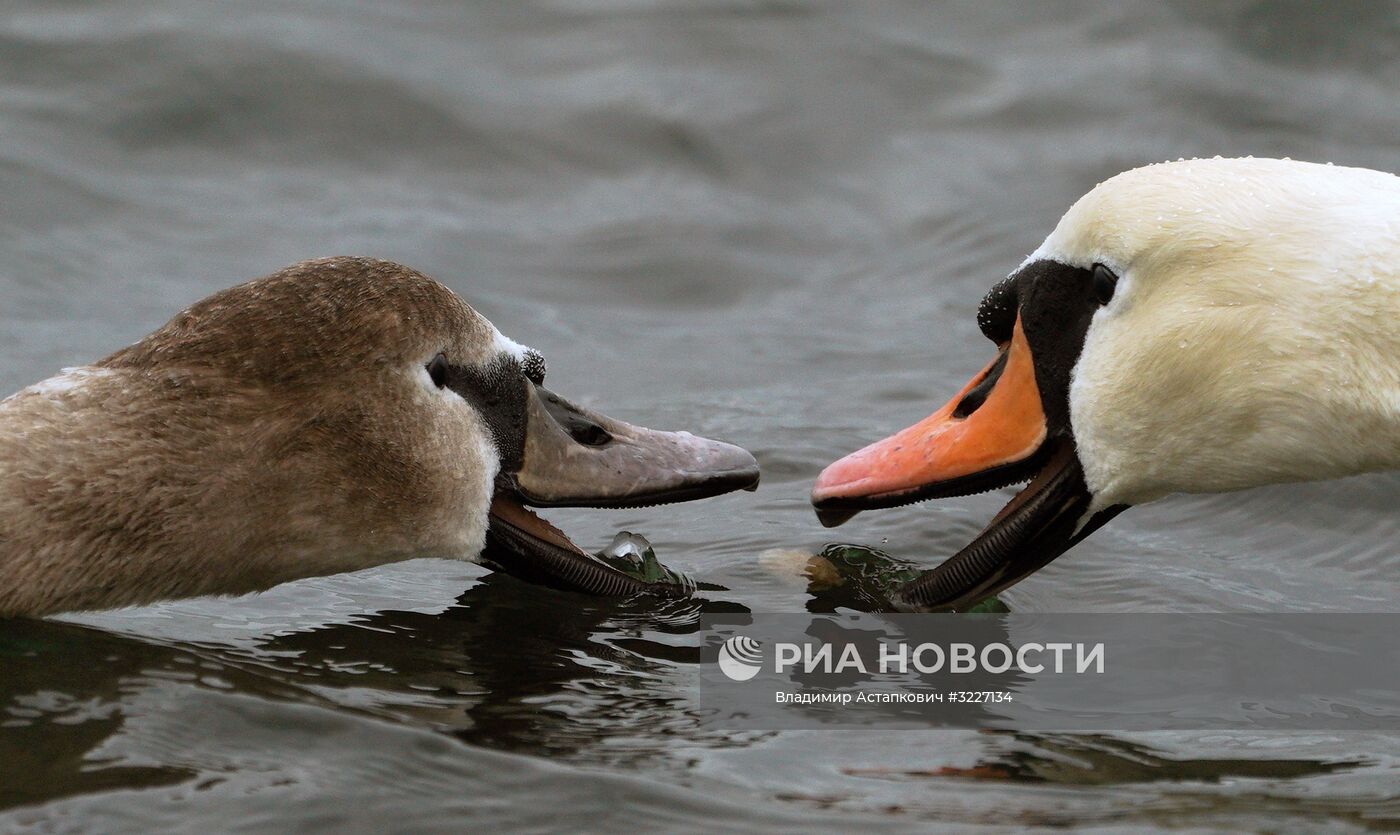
(769, 222)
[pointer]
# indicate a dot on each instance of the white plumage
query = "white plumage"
(1254, 336)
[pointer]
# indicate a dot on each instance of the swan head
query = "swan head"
(338, 414)
(1197, 326)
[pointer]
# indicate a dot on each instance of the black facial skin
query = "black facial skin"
(1056, 302)
(498, 393)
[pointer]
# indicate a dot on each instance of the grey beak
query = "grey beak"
(577, 457)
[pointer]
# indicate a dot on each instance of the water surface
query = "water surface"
(767, 222)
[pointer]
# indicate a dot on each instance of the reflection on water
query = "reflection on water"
(1093, 759)
(56, 715)
(769, 223)
(563, 678)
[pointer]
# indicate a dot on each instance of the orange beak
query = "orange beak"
(985, 437)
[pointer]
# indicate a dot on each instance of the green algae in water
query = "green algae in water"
(868, 577)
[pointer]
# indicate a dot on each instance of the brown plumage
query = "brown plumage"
(275, 430)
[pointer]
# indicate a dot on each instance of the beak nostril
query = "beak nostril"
(978, 395)
(591, 435)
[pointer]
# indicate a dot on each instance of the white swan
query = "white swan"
(1196, 326)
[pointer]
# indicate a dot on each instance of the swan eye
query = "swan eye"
(1104, 283)
(437, 370)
